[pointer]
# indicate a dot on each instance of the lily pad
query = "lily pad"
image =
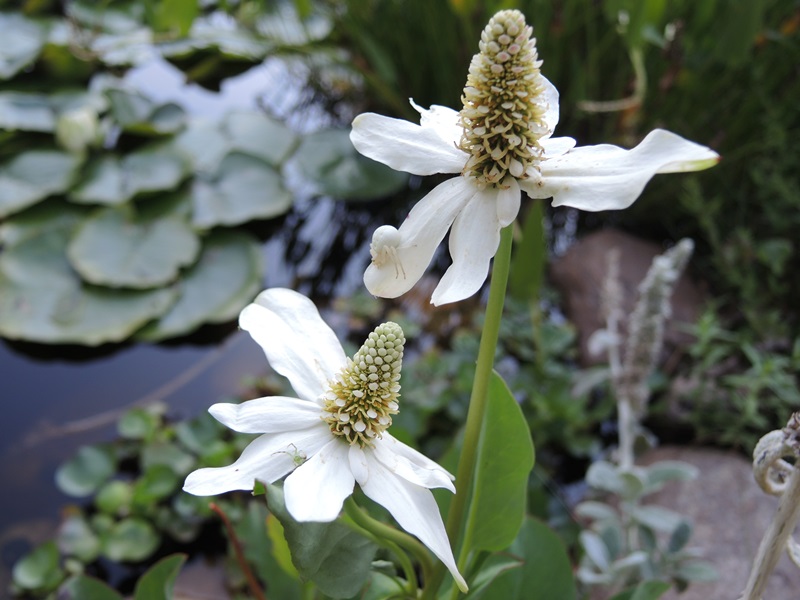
(33, 176)
(131, 539)
(243, 188)
(138, 114)
(330, 161)
(85, 472)
(26, 112)
(23, 39)
(45, 301)
(256, 134)
(117, 248)
(204, 143)
(215, 289)
(113, 180)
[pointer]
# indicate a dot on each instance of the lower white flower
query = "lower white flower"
(334, 435)
(500, 144)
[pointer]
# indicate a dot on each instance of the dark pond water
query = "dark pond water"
(57, 398)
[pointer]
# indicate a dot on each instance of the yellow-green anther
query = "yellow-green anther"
(363, 397)
(504, 104)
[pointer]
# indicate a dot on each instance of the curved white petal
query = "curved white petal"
(414, 508)
(404, 146)
(607, 177)
(298, 343)
(473, 243)
(272, 414)
(550, 99)
(267, 458)
(508, 202)
(317, 489)
(443, 120)
(400, 266)
(414, 456)
(358, 464)
(412, 472)
(557, 146)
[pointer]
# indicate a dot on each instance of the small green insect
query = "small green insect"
(298, 456)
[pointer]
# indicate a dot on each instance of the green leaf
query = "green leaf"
(23, 40)
(136, 113)
(242, 189)
(647, 590)
(488, 583)
(33, 176)
(249, 131)
(39, 570)
(131, 539)
(530, 257)
(156, 483)
(76, 538)
(226, 277)
(546, 573)
(280, 548)
(330, 161)
(116, 248)
(697, 570)
(45, 301)
(169, 455)
(114, 498)
(505, 460)
(85, 472)
(331, 555)
(175, 16)
(159, 580)
(680, 537)
(113, 180)
(657, 518)
(138, 424)
(83, 587)
(26, 112)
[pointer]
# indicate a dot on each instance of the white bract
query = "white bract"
(334, 435)
(500, 143)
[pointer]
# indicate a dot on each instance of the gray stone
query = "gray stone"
(730, 514)
(579, 276)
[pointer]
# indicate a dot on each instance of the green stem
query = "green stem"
(396, 541)
(477, 402)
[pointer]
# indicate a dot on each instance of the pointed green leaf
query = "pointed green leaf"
(331, 555)
(117, 248)
(505, 460)
(242, 189)
(83, 587)
(159, 580)
(647, 590)
(33, 176)
(215, 289)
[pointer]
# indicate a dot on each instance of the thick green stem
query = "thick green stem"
(396, 541)
(477, 402)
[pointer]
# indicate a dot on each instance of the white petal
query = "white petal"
(400, 465)
(419, 236)
(508, 201)
(550, 97)
(267, 458)
(358, 464)
(473, 243)
(557, 146)
(414, 456)
(272, 414)
(317, 489)
(298, 343)
(414, 508)
(443, 120)
(404, 146)
(607, 177)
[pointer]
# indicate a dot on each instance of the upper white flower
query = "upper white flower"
(500, 143)
(334, 435)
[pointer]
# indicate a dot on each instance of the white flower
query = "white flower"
(335, 431)
(500, 143)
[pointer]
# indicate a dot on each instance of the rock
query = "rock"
(579, 276)
(730, 514)
(201, 580)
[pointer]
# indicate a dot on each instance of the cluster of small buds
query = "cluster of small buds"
(504, 104)
(364, 394)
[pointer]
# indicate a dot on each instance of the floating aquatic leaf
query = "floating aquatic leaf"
(136, 113)
(131, 539)
(23, 39)
(215, 289)
(85, 472)
(256, 134)
(117, 248)
(114, 180)
(27, 112)
(330, 161)
(204, 143)
(243, 188)
(45, 301)
(33, 176)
